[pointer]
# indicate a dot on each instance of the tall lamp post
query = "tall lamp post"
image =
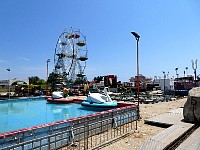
(186, 68)
(137, 37)
(48, 60)
(176, 69)
(195, 70)
(164, 81)
(8, 69)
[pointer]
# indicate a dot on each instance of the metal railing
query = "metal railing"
(89, 132)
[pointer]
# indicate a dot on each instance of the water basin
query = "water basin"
(23, 113)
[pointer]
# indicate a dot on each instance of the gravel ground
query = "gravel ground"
(145, 131)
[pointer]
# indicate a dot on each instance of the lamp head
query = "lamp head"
(136, 35)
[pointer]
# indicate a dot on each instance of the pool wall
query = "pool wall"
(74, 128)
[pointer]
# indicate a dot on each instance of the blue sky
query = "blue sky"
(169, 31)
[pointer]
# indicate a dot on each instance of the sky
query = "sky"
(169, 36)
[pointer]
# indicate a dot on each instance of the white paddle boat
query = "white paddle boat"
(99, 100)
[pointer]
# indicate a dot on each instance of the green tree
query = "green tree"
(53, 79)
(34, 80)
(99, 78)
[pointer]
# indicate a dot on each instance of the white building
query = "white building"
(167, 83)
(11, 81)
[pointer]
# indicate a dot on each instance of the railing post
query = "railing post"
(49, 142)
(86, 133)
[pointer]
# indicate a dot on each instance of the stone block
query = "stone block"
(191, 110)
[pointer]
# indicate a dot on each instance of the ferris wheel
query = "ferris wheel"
(70, 55)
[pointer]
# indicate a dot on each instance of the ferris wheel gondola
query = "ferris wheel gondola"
(70, 55)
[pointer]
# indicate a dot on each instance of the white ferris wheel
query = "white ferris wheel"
(70, 55)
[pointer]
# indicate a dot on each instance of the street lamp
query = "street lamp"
(168, 75)
(176, 69)
(195, 70)
(137, 37)
(48, 60)
(164, 81)
(186, 68)
(8, 69)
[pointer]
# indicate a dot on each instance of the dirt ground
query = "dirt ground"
(145, 131)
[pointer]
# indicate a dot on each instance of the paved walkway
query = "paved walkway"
(164, 138)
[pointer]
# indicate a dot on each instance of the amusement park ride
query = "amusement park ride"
(70, 56)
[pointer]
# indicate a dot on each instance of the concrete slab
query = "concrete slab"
(169, 118)
(164, 138)
(174, 119)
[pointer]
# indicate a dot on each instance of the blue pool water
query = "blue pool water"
(17, 114)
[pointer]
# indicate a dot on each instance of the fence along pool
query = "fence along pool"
(88, 131)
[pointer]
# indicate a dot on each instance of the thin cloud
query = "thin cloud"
(2, 61)
(23, 58)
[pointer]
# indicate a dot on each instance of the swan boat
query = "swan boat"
(99, 100)
(58, 97)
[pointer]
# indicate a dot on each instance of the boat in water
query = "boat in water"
(99, 100)
(58, 97)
